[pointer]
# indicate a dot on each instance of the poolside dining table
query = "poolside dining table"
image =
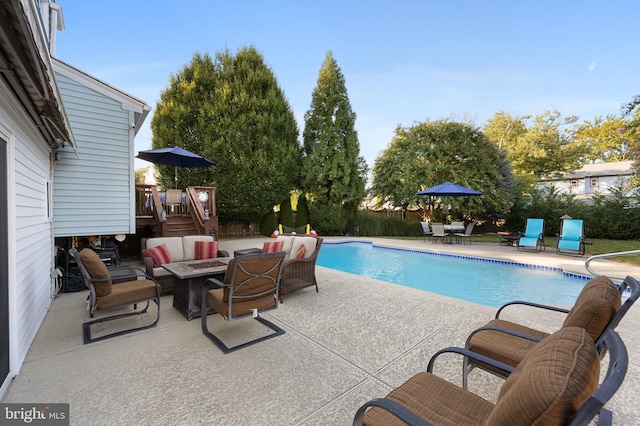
(450, 229)
(453, 228)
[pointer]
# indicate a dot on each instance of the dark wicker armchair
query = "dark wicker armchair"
(299, 273)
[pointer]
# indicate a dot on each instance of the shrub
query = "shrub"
(302, 211)
(286, 213)
(269, 223)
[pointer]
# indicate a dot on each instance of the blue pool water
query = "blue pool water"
(490, 283)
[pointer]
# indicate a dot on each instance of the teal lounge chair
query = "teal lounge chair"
(571, 237)
(533, 237)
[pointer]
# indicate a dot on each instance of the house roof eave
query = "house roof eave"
(26, 65)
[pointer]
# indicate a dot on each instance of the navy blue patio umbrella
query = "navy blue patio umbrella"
(449, 189)
(176, 156)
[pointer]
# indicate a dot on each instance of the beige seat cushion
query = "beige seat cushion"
(189, 245)
(97, 271)
(309, 244)
(287, 243)
(174, 245)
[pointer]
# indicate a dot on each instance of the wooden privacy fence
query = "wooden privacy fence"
(407, 216)
(238, 229)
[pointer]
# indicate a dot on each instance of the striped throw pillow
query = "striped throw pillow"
(272, 246)
(205, 250)
(300, 252)
(159, 254)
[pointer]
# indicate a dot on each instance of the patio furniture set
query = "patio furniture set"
(188, 266)
(447, 232)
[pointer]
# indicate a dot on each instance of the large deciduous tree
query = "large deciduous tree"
(333, 171)
(232, 111)
(541, 149)
(430, 153)
(606, 139)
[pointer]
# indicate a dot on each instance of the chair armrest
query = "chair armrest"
(148, 264)
(469, 354)
(213, 283)
(137, 273)
(502, 330)
(533, 305)
(394, 408)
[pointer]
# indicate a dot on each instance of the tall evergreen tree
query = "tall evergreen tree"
(232, 111)
(334, 173)
(286, 213)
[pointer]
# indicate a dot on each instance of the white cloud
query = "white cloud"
(592, 66)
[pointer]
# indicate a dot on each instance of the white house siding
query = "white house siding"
(93, 192)
(33, 241)
(30, 242)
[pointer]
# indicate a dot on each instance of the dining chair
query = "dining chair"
(437, 231)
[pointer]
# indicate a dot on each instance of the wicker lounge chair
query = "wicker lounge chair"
(105, 295)
(250, 286)
(597, 309)
(556, 384)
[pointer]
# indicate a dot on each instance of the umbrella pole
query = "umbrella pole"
(175, 178)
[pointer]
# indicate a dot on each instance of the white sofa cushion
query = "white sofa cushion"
(309, 244)
(287, 243)
(189, 244)
(174, 245)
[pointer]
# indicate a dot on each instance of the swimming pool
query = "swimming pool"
(483, 281)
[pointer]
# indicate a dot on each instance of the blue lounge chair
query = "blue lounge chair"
(533, 237)
(571, 237)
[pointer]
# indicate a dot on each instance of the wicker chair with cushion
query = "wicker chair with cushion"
(251, 285)
(299, 271)
(555, 384)
(597, 309)
(104, 294)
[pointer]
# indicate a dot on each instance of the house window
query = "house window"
(573, 183)
(595, 182)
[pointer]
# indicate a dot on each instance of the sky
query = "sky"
(403, 61)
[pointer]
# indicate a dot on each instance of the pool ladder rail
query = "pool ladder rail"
(607, 255)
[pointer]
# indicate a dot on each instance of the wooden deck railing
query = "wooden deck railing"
(199, 202)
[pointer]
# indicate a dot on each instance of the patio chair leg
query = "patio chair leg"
(86, 327)
(226, 349)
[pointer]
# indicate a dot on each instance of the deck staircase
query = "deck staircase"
(179, 226)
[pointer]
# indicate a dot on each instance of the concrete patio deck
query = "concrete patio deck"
(353, 341)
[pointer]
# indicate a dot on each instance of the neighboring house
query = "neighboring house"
(593, 179)
(61, 133)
